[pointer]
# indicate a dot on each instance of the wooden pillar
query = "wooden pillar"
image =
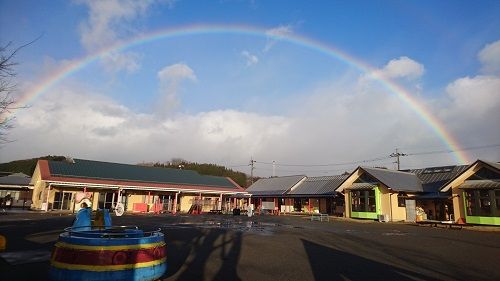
(234, 202)
(174, 210)
(220, 202)
(48, 195)
(309, 200)
(200, 204)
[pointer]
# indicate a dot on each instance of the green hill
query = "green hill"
(26, 166)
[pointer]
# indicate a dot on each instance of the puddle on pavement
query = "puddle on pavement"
(261, 228)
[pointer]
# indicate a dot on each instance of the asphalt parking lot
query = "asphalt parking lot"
(224, 247)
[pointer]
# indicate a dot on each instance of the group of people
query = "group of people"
(6, 202)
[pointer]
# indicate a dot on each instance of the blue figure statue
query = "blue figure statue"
(83, 220)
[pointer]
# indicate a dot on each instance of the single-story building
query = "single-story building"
(375, 193)
(317, 194)
(437, 205)
(63, 185)
(476, 193)
(268, 194)
(298, 194)
(17, 185)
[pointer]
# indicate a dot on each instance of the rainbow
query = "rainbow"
(424, 114)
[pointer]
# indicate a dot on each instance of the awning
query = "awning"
(433, 196)
(480, 184)
(362, 186)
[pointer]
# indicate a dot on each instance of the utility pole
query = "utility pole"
(251, 169)
(397, 155)
(274, 168)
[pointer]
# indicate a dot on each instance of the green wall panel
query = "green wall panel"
(483, 220)
(364, 215)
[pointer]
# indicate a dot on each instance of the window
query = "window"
(484, 196)
(62, 200)
(482, 202)
(470, 202)
(435, 170)
(106, 200)
(497, 202)
(363, 201)
(402, 199)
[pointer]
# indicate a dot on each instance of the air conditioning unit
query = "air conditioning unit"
(383, 218)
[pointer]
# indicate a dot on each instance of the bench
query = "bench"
(320, 217)
(434, 223)
(452, 224)
(429, 222)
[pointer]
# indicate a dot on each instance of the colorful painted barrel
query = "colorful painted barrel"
(115, 253)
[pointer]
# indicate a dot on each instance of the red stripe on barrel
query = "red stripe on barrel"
(108, 257)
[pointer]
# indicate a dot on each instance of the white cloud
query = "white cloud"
(477, 94)
(170, 78)
(108, 23)
(72, 121)
(176, 72)
(403, 67)
(275, 34)
(489, 57)
(250, 58)
(471, 112)
(115, 62)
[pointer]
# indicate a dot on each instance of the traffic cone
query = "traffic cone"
(461, 221)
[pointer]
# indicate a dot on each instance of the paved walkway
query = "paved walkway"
(224, 247)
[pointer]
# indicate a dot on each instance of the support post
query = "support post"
(174, 209)
(220, 203)
(48, 195)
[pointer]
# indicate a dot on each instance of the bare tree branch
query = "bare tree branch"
(7, 87)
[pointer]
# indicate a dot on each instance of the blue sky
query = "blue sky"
(236, 96)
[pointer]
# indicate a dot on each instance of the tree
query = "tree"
(7, 87)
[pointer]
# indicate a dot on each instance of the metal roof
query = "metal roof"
(434, 178)
(448, 185)
(480, 184)
(273, 186)
(396, 180)
(19, 179)
(362, 186)
(318, 185)
(492, 164)
(87, 169)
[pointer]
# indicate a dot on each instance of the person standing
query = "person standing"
(8, 201)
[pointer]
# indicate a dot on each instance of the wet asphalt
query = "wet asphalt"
(225, 247)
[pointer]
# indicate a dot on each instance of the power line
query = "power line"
(314, 170)
(397, 155)
(378, 158)
(326, 165)
(451, 151)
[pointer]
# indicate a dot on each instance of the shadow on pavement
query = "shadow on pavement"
(332, 264)
(195, 250)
